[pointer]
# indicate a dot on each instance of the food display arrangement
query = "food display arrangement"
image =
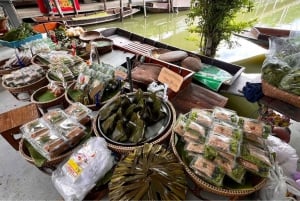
(56, 131)
(221, 151)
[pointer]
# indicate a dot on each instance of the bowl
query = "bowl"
(88, 36)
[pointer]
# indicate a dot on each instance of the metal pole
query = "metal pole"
(121, 10)
(10, 11)
(104, 3)
(145, 13)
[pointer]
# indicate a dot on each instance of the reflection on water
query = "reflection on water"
(172, 29)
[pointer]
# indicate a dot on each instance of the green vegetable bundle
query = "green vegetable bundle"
(21, 32)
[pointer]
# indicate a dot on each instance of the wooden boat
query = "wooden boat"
(88, 18)
(143, 46)
(157, 7)
(261, 35)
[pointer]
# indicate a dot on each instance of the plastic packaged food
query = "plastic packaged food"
(87, 165)
(227, 129)
(207, 170)
(255, 127)
(257, 141)
(34, 127)
(195, 131)
(202, 117)
(55, 116)
(194, 147)
(179, 127)
(255, 154)
(79, 112)
(260, 170)
(224, 114)
(223, 143)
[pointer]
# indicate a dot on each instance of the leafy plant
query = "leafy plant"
(215, 21)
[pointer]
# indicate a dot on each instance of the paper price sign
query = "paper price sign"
(172, 79)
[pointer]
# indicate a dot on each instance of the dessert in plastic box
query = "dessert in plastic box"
(195, 131)
(260, 170)
(79, 112)
(257, 141)
(208, 170)
(254, 127)
(80, 173)
(224, 114)
(55, 116)
(227, 129)
(34, 127)
(202, 117)
(179, 126)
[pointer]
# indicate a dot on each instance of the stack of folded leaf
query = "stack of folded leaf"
(219, 144)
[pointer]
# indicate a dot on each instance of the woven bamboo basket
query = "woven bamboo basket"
(6, 70)
(29, 88)
(161, 139)
(49, 165)
(60, 100)
(211, 188)
(274, 92)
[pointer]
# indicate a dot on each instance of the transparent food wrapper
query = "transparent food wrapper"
(256, 140)
(256, 155)
(202, 117)
(194, 147)
(224, 114)
(260, 170)
(180, 124)
(255, 127)
(79, 112)
(195, 131)
(207, 170)
(87, 165)
(55, 116)
(227, 129)
(223, 143)
(33, 128)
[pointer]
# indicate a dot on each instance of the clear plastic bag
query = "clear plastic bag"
(79, 174)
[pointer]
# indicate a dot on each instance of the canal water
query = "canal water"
(171, 28)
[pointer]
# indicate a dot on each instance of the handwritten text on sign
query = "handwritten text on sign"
(172, 79)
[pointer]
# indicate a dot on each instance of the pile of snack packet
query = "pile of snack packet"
(218, 143)
(57, 131)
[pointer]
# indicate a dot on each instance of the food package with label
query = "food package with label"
(207, 170)
(203, 117)
(224, 114)
(222, 143)
(79, 112)
(81, 171)
(227, 129)
(254, 127)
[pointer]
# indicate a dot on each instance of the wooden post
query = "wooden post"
(121, 10)
(169, 6)
(104, 3)
(144, 5)
(57, 5)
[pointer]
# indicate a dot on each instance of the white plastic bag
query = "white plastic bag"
(79, 174)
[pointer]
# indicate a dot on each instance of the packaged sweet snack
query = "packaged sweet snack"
(260, 170)
(55, 116)
(223, 143)
(208, 170)
(34, 128)
(256, 140)
(255, 154)
(194, 147)
(227, 129)
(224, 114)
(195, 131)
(179, 127)
(255, 127)
(201, 117)
(79, 112)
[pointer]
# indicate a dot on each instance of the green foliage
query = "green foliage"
(215, 21)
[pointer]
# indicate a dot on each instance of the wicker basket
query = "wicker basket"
(7, 70)
(60, 100)
(48, 166)
(211, 188)
(274, 92)
(29, 88)
(164, 138)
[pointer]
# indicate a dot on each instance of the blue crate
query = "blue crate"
(19, 43)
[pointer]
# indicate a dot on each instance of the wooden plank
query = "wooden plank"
(195, 96)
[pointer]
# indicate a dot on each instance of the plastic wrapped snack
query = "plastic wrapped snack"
(34, 128)
(194, 147)
(255, 154)
(224, 114)
(202, 117)
(87, 165)
(195, 131)
(180, 124)
(208, 170)
(79, 112)
(257, 141)
(255, 127)
(223, 143)
(260, 170)
(227, 129)
(55, 116)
